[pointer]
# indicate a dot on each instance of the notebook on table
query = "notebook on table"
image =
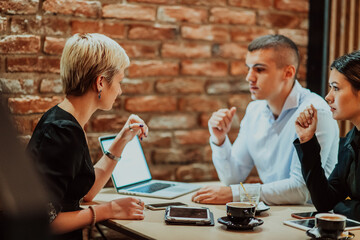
(132, 174)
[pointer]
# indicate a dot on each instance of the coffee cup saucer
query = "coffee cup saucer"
(261, 207)
(254, 222)
(314, 234)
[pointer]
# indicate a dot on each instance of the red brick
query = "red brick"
(177, 121)
(51, 86)
(302, 73)
(258, 4)
(180, 85)
(140, 50)
(200, 104)
(167, 156)
(214, 68)
(182, 14)
(240, 101)
(40, 26)
(157, 139)
(108, 123)
(227, 87)
(192, 137)
(79, 8)
(153, 68)
(137, 31)
(247, 33)
(19, 7)
(300, 37)
(196, 172)
(228, 16)
(151, 104)
(54, 46)
(131, 12)
(110, 29)
(171, 156)
(24, 86)
(153, 1)
(20, 44)
(162, 172)
(23, 124)
(204, 119)
(208, 154)
(32, 104)
(303, 55)
(205, 32)
(230, 50)
(279, 20)
(238, 68)
(185, 50)
(136, 86)
(33, 64)
(292, 5)
(3, 24)
(204, 2)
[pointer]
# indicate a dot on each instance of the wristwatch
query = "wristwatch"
(112, 156)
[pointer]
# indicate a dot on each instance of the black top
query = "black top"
(341, 192)
(59, 149)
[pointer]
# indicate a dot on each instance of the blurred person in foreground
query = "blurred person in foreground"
(267, 129)
(92, 68)
(340, 192)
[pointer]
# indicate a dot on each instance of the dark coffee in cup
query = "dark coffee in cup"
(330, 225)
(240, 212)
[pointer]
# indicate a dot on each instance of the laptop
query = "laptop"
(132, 175)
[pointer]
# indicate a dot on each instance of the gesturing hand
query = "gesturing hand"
(133, 126)
(220, 124)
(305, 124)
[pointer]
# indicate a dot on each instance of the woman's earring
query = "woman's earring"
(99, 94)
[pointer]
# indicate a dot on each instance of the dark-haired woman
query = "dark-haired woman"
(341, 192)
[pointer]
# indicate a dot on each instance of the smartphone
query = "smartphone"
(195, 215)
(162, 206)
(304, 215)
(306, 224)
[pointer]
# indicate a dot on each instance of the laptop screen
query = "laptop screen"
(132, 167)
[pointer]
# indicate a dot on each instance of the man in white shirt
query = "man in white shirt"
(268, 130)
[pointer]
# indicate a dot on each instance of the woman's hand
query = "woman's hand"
(126, 208)
(133, 126)
(305, 124)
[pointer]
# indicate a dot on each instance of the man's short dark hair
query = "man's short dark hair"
(278, 43)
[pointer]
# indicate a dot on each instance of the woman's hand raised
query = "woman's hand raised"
(305, 124)
(133, 126)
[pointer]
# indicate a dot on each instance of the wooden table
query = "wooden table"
(154, 227)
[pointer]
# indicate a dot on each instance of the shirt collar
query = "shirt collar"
(292, 101)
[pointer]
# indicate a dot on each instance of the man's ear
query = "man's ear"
(290, 72)
(99, 83)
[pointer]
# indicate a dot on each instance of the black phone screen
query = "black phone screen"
(188, 213)
(159, 205)
(305, 214)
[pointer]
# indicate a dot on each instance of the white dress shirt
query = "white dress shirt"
(267, 143)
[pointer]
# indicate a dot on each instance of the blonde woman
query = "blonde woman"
(92, 68)
(341, 191)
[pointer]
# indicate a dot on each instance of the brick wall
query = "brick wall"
(187, 60)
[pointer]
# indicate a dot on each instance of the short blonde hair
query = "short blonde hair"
(87, 56)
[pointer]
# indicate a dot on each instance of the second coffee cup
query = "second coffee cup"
(240, 212)
(330, 225)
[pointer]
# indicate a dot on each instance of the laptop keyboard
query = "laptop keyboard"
(152, 187)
